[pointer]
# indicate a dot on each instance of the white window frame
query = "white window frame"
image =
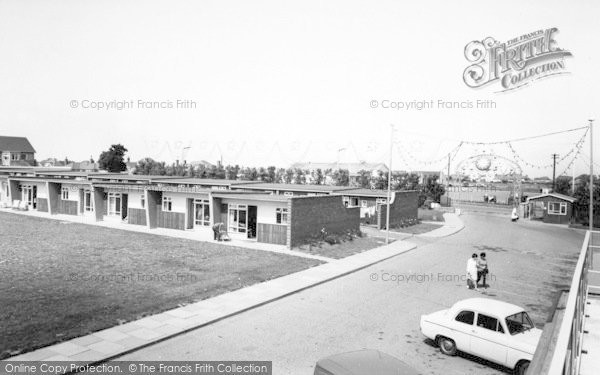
(352, 200)
(167, 203)
(364, 203)
(64, 193)
(282, 215)
(88, 204)
(205, 204)
(380, 201)
(346, 201)
(117, 208)
(562, 208)
(235, 226)
(288, 194)
(143, 200)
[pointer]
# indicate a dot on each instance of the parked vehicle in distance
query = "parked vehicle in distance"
(494, 330)
(363, 362)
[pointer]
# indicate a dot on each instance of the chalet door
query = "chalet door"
(201, 213)
(114, 204)
(251, 221)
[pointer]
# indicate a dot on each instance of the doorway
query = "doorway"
(201, 213)
(251, 221)
(29, 195)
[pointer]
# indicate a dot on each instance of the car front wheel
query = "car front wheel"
(447, 346)
(522, 368)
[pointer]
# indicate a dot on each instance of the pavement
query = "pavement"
(379, 307)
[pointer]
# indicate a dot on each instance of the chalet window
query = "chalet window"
(346, 201)
(167, 204)
(281, 216)
(353, 202)
(363, 203)
(557, 208)
(64, 193)
(288, 194)
(143, 200)
(380, 201)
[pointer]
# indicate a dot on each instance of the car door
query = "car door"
(488, 340)
(461, 329)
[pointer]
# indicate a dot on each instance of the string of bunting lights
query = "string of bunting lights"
(550, 165)
(578, 147)
(452, 152)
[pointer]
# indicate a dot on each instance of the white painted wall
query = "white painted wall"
(265, 211)
(73, 191)
(179, 201)
(4, 191)
(134, 199)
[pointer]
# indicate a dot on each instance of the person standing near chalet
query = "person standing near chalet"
(217, 231)
(482, 269)
(472, 272)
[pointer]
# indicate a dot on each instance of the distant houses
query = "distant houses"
(16, 151)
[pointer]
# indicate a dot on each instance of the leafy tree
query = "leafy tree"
(364, 179)
(271, 174)
(563, 185)
(144, 166)
(299, 176)
(432, 189)
(317, 177)
(340, 177)
(288, 177)
(113, 160)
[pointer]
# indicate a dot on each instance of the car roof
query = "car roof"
(492, 306)
(365, 362)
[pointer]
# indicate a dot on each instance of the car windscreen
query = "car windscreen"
(519, 322)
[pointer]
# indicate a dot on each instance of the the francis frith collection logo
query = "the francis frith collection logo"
(515, 63)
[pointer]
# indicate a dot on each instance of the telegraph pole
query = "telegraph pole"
(591, 209)
(389, 192)
(554, 156)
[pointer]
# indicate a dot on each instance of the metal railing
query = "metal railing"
(559, 349)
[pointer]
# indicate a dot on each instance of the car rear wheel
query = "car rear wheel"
(447, 346)
(522, 368)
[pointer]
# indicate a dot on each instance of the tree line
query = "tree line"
(113, 160)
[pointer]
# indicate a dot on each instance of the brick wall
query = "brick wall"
(310, 214)
(404, 207)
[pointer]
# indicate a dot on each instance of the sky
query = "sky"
(275, 82)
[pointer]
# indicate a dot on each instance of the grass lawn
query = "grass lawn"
(62, 280)
(418, 228)
(344, 249)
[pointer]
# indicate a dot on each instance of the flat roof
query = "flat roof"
(252, 196)
(129, 177)
(199, 181)
(291, 187)
(362, 192)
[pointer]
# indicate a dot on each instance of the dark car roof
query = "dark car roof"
(365, 362)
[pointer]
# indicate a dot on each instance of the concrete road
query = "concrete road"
(380, 306)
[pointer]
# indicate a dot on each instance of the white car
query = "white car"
(494, 330)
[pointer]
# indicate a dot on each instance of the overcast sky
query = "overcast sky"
(281, 81)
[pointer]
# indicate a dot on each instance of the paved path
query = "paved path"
(379, 307)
